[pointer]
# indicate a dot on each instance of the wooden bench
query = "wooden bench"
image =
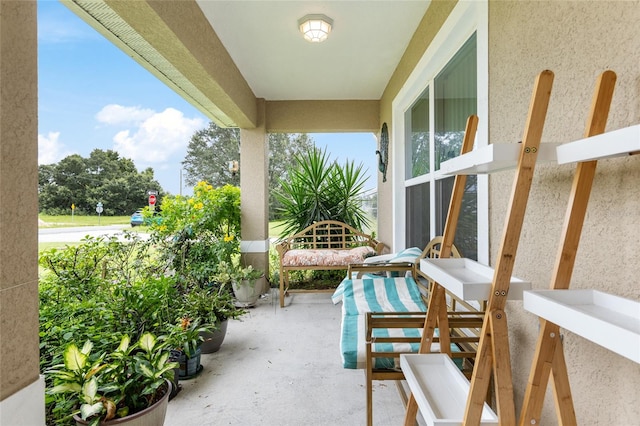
(325, 245)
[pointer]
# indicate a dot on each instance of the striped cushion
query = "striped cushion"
(375, 295)
(403, 256)
(409, 255)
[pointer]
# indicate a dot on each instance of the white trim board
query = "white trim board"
(466, 18)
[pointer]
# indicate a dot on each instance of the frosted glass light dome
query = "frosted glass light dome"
(315, 28)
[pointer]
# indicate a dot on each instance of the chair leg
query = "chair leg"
(282, 287)
(369, 400)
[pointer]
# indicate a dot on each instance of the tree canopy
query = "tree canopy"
(211, 149)
(103, 177)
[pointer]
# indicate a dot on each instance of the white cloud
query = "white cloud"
(160, 136)
(50, 149)
(117, 114)
(54, 29)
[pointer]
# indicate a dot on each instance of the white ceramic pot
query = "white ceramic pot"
(246, 293)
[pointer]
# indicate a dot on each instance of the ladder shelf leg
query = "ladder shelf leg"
(548, 337)
(549, 359)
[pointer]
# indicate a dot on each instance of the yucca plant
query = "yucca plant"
(320, 189)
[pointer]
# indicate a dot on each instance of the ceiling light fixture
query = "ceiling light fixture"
(315, 28)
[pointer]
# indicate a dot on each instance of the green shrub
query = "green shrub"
(107, 288)
(100, 291)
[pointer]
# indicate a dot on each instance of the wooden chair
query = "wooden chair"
(389, 334)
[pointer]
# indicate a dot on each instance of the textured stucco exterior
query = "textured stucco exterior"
(19, 363)
(577, 41)
(322, 116)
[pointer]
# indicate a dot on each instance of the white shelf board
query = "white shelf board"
(610, 321)
(467, 278)
(494, 158)
(440, 389)
(606, 145)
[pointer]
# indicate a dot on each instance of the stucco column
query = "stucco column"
(254, 179)
(21, 388)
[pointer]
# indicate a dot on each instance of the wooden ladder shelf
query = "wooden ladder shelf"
(493, 358)
(608, 320)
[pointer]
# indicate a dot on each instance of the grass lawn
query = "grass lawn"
(275, 229)
(94, 220)
(46, 246)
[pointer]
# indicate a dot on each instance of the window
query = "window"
(434, 126)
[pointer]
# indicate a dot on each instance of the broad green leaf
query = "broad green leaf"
(162, 360)
(111, 387)
(169, 366)
(88, 410)
(124, 344)
(74, 360)
(66, 387)
(89, 390)
(86, 349)
(62, 375)
(144, 368)
(147, 342)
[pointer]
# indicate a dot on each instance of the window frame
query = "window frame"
(465, 19)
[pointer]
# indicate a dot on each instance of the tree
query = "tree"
(282, 148)
(211, 149)
(209, 153)
(103, 177)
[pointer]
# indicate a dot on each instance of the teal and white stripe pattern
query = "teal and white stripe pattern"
(409, 255)
(375, 295)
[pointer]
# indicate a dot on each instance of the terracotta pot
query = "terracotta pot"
(150, 416)
(213, 340)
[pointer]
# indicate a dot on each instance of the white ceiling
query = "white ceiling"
(355, 62)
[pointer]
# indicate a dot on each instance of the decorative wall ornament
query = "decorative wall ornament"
(383, 152)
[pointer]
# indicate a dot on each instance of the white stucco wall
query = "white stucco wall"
(577, 41)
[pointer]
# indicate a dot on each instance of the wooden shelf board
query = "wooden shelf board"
(494, 158)
(468, 279)
(616, 143)
(610, 321)
(440, 389)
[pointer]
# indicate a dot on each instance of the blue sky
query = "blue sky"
(92, 95)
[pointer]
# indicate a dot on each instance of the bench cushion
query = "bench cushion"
(326, 257)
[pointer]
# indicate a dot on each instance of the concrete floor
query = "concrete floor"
(282, 367)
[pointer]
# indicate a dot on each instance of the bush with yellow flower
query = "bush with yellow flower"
(198, 235)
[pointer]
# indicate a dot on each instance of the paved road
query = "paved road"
(75, 234)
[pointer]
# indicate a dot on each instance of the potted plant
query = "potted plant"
(126, 386)
(243, 281)
(213, 305)
(185, 338)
